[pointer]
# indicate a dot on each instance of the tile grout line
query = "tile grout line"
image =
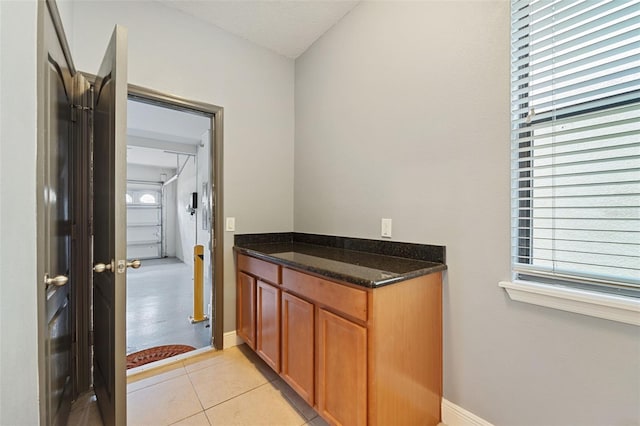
(292, 402)
(204, 410)
(267, 381)
(178, 362)
(275, 382)
(234, 397)
(153, 384)
(195, 391)
(186, 373)
(192, 415)
(165, 421)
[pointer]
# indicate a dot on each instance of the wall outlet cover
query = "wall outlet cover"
(385, 228)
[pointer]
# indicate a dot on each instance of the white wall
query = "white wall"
(402, 111)
(204, 176)
(190, 230)
(174, 53)
(187, 223)
(18, 281)
(189, 227)
(65, 8)
(380, 117)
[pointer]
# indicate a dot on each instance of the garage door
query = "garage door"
(144, 220)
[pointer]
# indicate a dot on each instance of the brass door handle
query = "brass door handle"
(58, 281)
(101, 267)
(135, 264)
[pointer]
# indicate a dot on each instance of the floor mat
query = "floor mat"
(156, 353)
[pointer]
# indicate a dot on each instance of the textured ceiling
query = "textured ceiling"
(286, 27)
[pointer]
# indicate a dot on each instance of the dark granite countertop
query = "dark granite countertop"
(368, 263)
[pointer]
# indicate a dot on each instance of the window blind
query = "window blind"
(575, 86)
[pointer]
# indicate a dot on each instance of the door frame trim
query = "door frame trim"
(52, 7)
(216, 114)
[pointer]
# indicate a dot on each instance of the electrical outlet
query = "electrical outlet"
(231, 224)
(385, 230)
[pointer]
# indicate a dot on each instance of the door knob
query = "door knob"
(135, 264)
(58, 281)
(101, 267)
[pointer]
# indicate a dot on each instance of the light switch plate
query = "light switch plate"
(385, 228)
(231, 224)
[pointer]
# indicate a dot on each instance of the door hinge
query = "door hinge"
(90, 337)
(74, 111)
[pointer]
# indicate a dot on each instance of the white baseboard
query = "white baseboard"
(231, 339)
(454, 415)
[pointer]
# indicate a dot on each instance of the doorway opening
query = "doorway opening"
(173, 180)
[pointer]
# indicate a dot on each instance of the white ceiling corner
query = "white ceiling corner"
(287, 27)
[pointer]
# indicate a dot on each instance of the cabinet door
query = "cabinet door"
(268, 324)
(246, 308)
(342, 370)
(297, 345)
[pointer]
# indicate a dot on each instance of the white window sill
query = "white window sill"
(600, 305)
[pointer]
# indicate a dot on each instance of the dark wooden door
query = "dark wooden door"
(109, 236)
(54, 225)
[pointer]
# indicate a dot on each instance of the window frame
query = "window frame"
(571, 294)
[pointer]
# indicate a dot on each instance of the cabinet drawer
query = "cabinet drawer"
(348, 300)
(259, 268)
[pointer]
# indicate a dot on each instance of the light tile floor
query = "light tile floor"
(230, 387)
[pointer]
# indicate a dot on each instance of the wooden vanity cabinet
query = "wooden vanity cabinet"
(359, 356)
(340, 345)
